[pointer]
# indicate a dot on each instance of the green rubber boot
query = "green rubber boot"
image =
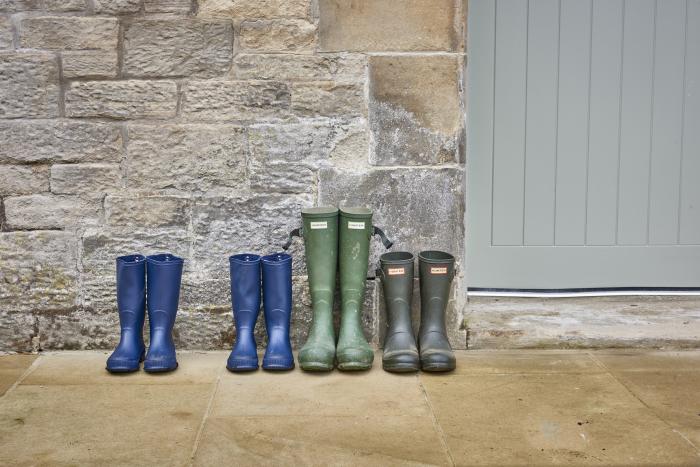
(320, 232)
(355, 225)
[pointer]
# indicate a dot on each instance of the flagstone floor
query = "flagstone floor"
(498, 408)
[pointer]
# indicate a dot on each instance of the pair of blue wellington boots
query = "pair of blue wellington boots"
(164, 272)
(277, 303)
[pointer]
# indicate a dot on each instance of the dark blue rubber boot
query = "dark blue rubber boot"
(277, 302)
(131, 303)
(245, 301)
(164, 276)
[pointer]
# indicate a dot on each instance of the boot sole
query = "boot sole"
(278, 368)
(354, 366)
(436, 368)
(401, 368)
(242, 370)
(161, 370)
(316, 366)
(122, 370)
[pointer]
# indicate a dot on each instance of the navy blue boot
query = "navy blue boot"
(245, 300)
(164, 275)
(131, 303)
(277, 302)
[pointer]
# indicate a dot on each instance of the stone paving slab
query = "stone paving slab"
(11, 368)
(498, 408)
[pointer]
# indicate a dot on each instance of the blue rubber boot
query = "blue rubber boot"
(245, 300)
(131, 303)
(277, 302)
(164, 276)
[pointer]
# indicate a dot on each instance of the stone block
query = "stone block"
(174, 48)
(20, 5)
(181, 7)
(263, 9)
(384, 25)
(59, 141)
(68, 33)
(148, 211)
(18, 332)
(328, 99)
(78, 330)
(235, 100)
(186, 157)
(38, 271)
(415, 109)
(6, 32)
(23, 179)
(116, 7)
(122, 99)
(338, 68)
(256, 223)
(65, 5)
(30, 86)
(89, 64)
(290, 35)
(419, 209)
(286, 157)
(50, 212)
(86, 179)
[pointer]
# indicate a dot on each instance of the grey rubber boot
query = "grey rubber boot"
(436, 273)
(400, 351)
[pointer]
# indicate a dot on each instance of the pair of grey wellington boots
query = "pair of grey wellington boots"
(432, 352)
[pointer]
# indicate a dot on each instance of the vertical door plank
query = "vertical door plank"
(637, 104)
(482, 20)
(667, 122)
(606, 68)
(509, 124)
(689, 232)
(572, 141)
(541, 138)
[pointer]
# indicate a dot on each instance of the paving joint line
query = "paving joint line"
(207, 412)
(23, 376)
(651, 409)
(436, 423)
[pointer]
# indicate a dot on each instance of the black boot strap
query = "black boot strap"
(294, 233)
(385, 240)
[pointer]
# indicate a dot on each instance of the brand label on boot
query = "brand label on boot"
(395, 271)
(438, 270)
(356, 225)
(319, 225)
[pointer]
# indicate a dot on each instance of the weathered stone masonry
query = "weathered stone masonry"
(201, 128)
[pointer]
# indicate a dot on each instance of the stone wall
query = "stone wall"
(201, 128)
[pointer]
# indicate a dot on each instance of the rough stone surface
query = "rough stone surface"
(19, 5)
(50, 212)
(89, 64)
(181, 7)
(69, 33)
(410, 204)
(415, 112)
(292, 35)
(186, 157)
(328, 99)
(6, 32)
(339, 68)
(40, 267)
(147, 211)
(235, 100)
(382, 25)
(122, 99)
(86, 179)
(23, 179)
(59, 141)
(65, 5)
(175, 48)
(117, 6)
(30, 85)
(255, 8)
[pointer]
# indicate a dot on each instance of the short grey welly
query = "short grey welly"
(436, 273)
(400, 351)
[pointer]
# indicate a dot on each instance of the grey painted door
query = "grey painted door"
(583, 144)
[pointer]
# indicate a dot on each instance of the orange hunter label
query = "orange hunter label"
(438, 270)
(395, 271)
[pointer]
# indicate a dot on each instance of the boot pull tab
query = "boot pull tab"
(294, 233)
(385, 240)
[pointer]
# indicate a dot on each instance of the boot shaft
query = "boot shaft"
(436, 273)
(131, 291)
(320, 232)
(396, 271)
(277, 289)
(355, 226)
(164, 278)
(245, 289)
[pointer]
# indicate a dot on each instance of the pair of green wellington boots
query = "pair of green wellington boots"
(335, 237)
(433, 352)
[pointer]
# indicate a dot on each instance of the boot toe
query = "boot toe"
(351, 359)
(437, 360)
(242, 363)
(317, 358)
(122, 364)
(401, 361)
(159, 364)
(278, 362)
